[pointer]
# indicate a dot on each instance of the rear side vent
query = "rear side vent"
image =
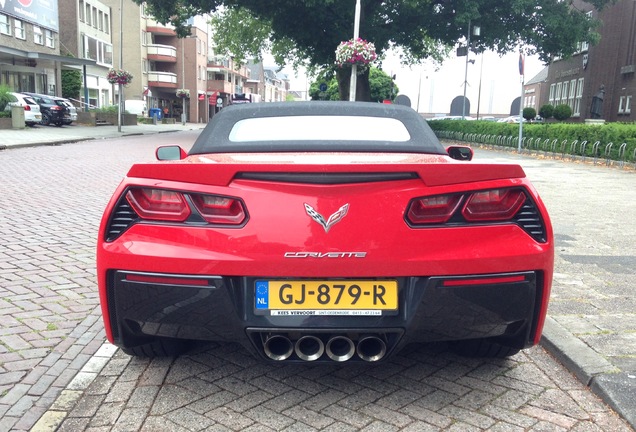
(122, 217)
(529, 219)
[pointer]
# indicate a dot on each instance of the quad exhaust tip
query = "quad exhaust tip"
(338, 348)
(371, 348)
(309, 348)
(278, 347)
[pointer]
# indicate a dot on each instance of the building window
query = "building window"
(625, 105)
(101, 21)
(572, 94)
(106, 23)
(564, 93)
(48, 36)
(557, 94)
(81, 10)
(552, 91)
(576, 111)
(18, 29)
(88, 14)
(5, 27)
(38, 37)
(95, 17)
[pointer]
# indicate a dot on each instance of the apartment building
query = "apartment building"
(605, 69)
(30, 57)
(87, 34)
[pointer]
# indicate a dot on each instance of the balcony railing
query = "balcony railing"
(165, 53)
(162, 79)
(153, 26)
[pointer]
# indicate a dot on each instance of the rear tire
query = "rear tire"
(159, 347)
(59, 124)
(46, 120)
(483, 348)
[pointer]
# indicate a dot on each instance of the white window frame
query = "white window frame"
(628, 104)
(81, 10)
(49, 38)
(557, 94)
(38, 36)
(106, 23)
(552, 91)
(621, 102)
(576, 111)
(572, 94)
(18, 29)
(5, 24)
(88, 14)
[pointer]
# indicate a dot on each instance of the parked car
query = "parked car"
(324, 231)
(52, 112)
(32, 114)
(137, 107)
(510, 119)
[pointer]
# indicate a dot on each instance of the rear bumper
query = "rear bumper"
(216, 308)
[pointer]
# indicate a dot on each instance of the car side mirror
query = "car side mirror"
(462, 153)
(171, 152)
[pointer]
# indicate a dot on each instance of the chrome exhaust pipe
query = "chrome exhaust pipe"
(278, 347)
(371, 348)
(340, 348)
(309, 348)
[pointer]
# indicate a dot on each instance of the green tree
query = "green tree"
(381, 85)
(546, 111)
(529, 113)
(562, 112)
(5, 96)
(308, 31)
(71, 84)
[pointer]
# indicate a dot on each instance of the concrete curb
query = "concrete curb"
(615, 388)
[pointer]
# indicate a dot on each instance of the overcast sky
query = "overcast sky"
(435, 89)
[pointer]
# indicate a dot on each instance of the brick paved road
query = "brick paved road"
(51, 327)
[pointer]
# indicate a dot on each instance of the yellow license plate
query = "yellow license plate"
(335, 297)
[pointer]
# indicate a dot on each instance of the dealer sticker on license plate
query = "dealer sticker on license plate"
(335, 297)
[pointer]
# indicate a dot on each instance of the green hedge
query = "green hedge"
(617, 133)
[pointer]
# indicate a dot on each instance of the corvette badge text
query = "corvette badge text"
(325, 254)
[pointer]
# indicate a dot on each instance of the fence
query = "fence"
(597, 152)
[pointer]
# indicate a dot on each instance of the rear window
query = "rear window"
(319, 128)
(29, 100)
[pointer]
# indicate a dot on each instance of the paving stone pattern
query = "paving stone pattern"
(56, 373)
(221, 387)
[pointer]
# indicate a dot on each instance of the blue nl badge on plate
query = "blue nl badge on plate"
(262, 294)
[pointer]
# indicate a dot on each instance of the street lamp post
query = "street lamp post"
(476, 31)
(354, 69)
(183, 82)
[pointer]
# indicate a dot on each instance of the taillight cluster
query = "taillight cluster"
(174, 206)
(481, 206)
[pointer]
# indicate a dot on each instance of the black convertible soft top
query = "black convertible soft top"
(318, 127)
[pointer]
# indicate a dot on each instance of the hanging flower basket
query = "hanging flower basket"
(355, 52)
(183, 93)
(119, 76)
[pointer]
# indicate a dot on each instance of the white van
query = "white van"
(136, 107)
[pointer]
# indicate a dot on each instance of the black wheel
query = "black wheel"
(483, 348)
(46, 120)
(159, 347)
(59, 124)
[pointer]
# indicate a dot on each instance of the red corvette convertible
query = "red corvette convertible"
(324, 231)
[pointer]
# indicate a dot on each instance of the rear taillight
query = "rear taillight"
(158, 204)
(27, 108)
(57, 108)
(219, 209)
(493, 205)
(175, 206)
(481, 206)
(433, 210)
